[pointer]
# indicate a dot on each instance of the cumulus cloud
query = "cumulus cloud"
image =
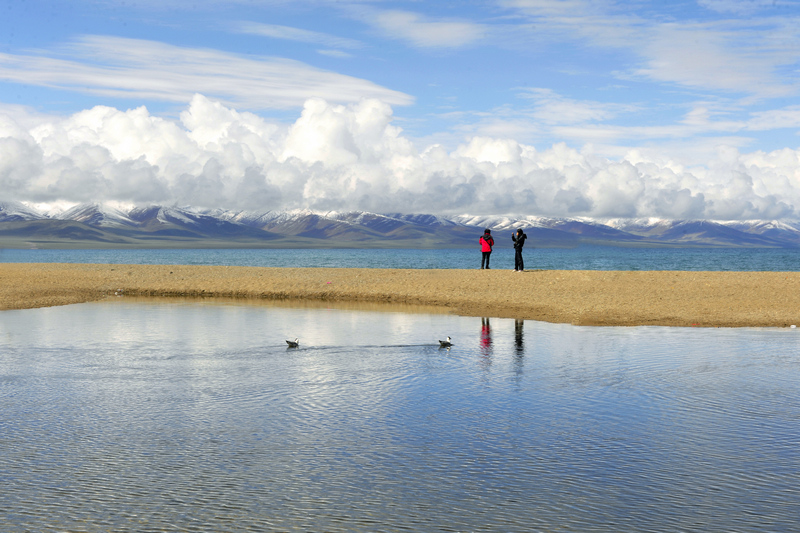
(343, 157)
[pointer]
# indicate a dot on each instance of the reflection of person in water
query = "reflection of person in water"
(486, 345)
(486, 337)
(519, 346)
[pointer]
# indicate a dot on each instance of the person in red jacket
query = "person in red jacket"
(486, 247)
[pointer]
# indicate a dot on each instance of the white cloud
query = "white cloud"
(335, 53)
(16, 116)
(352, 157)
(705, 124)
(560, 8)
(422, 32)
(787, 117)
(747, 56)
(296, 34)
(495, 151)
(743, 7)
(553, 108)
(713, 58)
(129, 68)
(545, 114)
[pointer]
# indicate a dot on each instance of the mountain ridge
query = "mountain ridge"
(90, 224)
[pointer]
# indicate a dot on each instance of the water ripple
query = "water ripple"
(581, 429)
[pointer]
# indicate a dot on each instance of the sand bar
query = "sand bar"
(667, 298)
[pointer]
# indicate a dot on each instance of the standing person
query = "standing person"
(519, 242)
(487, 242)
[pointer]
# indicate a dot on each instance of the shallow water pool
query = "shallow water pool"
(190, 416)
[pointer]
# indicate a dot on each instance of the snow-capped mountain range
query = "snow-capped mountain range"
(162, 226)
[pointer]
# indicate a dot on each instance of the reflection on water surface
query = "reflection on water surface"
(169, 416)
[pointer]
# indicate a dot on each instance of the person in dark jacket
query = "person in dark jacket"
(487, 242)
(519, 241)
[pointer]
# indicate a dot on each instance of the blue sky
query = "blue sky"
(559, 107)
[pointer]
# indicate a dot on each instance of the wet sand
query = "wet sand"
(668, 298)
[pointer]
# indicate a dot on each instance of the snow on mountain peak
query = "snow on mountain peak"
(643, 230)
(10, 211)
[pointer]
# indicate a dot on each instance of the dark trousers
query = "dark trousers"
(518, 263)
(485, 259)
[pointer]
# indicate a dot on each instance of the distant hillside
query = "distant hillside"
(155, 226)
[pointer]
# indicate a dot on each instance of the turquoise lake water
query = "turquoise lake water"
(581, 258)
(172, 416)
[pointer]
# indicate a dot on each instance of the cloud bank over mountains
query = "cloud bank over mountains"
(352, 157)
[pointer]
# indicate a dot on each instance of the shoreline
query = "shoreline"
(591, 298)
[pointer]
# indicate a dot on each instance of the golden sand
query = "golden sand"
(704, 299)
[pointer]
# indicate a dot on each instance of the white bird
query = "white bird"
(293, 344)
(445, 344)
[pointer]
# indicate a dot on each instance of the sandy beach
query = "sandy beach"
(666, 298)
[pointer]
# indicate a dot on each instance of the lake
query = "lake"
(580, 258)
(130, 415)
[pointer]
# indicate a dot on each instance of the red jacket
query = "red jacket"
(486, 243)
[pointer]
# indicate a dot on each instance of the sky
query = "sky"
(685, 109)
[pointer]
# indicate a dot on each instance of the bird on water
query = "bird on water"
(445, 344)
(293, 344)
